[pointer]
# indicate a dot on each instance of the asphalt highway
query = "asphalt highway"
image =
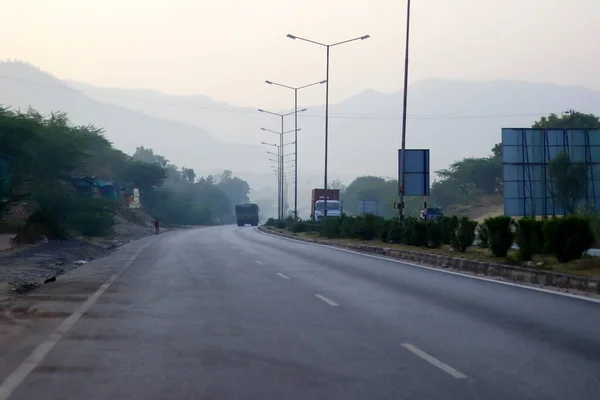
(232, 313)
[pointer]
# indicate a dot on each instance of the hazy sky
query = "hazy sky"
(226, 49)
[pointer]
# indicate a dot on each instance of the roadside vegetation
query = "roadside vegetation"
(59, 180)
(557, 243)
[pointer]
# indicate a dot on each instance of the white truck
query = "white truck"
(334, 205)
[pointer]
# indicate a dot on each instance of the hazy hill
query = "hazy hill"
(22, 85)
(455, 119)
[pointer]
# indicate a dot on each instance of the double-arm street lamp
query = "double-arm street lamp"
(280, 146)
(327, 46)
(295, 89)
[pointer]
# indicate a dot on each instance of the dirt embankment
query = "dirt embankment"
(24, 268)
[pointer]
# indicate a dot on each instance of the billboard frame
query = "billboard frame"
(526, 154)
(416, 172)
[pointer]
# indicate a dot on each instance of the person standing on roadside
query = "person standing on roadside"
(156, 226)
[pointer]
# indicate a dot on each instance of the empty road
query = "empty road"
(232, 313)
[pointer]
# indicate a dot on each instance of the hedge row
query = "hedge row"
(566, 238)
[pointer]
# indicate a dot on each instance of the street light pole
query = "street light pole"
(295, 89)
(296, 155)
(281, 144)
(403, 145)
(281, 160)
(326, 136)
(279, 170)
(327, 46)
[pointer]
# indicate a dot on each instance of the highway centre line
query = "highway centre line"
(259, 262)
(326, 300)
(434, 361)
(283, 276)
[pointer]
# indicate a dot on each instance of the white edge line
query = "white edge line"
(259, 262)
(434, 361)
(326, 300)
(527, 287)
(11, 382)
(283, 276)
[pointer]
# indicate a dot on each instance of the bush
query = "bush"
(312, 226)
(347, 227)
(568, 237)
(289, 222)
(527, 238)
(368, 227)
(539, 236)
(416, 232)
(281, 224)
(483, 236)
(297, 227)
(331, 227)
(271, 222)
(92, 217)
(465, 234)
(448, 225)
(395, 231)
(304, 226)
(434, 234)
(501, 235)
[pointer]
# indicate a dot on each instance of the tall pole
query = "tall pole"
(296, 155)
(327, 99)
(296, 111)
(280, 160)
(281, 146)
(403, 148)
(279, 151)
(326, 132)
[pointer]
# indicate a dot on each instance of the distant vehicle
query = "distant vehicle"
(246, 214)
(317, 206)
(431, 213)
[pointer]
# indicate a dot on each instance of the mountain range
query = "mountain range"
(454, 119)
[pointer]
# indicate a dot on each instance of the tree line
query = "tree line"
(43, 158)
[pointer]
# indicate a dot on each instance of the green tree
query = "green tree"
(236, 189)
(569, 181)
(570, 120)
(148, 156)
(188, 174)
(143, 175)
(469, 178)
(337, 184)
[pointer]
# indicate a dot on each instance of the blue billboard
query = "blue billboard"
(526, 153)
(416, 172)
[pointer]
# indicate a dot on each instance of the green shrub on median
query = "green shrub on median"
(527, 238)
(569, 237)
(434, 234)
(565, 238)
(501, 235)
(483, 236)
(448, 225)
(464, 235)
(271, 222)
